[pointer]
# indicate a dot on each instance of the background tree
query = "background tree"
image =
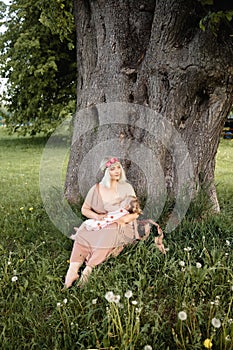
(38, 58)
(153, 53)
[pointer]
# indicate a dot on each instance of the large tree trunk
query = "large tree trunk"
(153, 54)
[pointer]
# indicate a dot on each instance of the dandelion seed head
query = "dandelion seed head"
(134, 302)
(65, 301)
(9, 263)
(187, 249)
(94, 301)
(58, 304)
(148, 347)
(182, 315)
(116, 298)
(182, 263)
(228, 243)
(198, 265)
(216, 322)
(109, 296)
(14, 279)
(128, 294)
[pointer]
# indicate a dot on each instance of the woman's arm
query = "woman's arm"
(89, 213)
(127, 218)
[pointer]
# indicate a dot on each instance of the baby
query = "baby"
(129, 206)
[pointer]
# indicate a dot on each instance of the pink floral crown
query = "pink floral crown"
(111, 161)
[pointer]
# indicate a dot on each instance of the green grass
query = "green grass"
(37, 314)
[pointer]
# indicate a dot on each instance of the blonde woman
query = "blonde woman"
(94, 247)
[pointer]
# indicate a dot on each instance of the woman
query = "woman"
(94, 247)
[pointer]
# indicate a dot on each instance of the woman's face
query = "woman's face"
(115, 172)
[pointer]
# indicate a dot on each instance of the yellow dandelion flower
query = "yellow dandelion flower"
(30, 209)
(21, 260)
(208, 343)
(21, 208)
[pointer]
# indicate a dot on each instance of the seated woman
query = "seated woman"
(94, 247)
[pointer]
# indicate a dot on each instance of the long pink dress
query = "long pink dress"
(95, 246)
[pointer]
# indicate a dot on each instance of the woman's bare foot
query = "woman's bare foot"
(70, 279)
(85, 275)
(72, 274)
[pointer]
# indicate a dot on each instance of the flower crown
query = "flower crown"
(111, 161)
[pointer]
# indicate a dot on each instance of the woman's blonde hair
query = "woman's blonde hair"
(106, 180)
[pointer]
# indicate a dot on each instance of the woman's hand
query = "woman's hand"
(126, 219)
(120, 221)
(100, 217)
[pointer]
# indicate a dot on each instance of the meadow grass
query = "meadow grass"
(179, 301)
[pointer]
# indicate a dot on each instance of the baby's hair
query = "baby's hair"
(134, 206)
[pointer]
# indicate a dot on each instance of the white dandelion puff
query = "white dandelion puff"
(59, 304)
(109, 296)
(14, 279)
(116, 299)
(216, 322)
(94, 301)
(182, 263)
(228, 243)
(148, 347)
(188, 249)
(65, 301)
(198, 265)
(128, 294)
(134, 302)
(182, 315)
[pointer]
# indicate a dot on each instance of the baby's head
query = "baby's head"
(133, 205)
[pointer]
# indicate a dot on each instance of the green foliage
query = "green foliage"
(39, 61)
(194, 277)
(214, 19)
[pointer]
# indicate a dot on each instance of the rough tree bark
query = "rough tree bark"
(153, 53)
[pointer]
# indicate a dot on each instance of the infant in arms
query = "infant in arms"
(129, 206)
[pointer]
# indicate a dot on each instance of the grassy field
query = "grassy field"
(179, 301)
